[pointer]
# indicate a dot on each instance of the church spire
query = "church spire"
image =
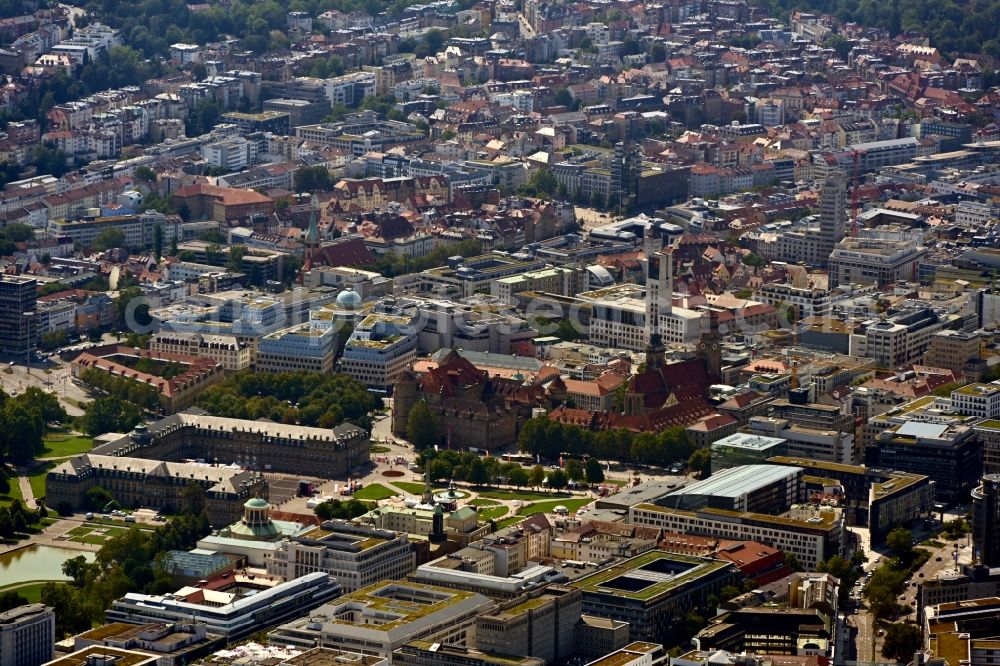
(312, 237)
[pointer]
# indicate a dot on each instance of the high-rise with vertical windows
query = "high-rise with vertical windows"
(18, 334)
(832, 213)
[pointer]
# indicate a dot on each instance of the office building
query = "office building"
(381, 618)
(832, 213)
(425, 653)
(952, 350)
(831, 445)
(951, 456)
(883, 259)
(241, 607)
(808, 302)
(878, 498)
(226, 350)
(18, 322)
(538, 624)
(355, 555)
(300, 348)
(986, 521)
(638, 653)
(744, 449)
(379, 350)
(811, 535)
(963, 632)
(27, 635)
(137, 230)
(750, 488)
(96, 655)
(654, 590)
(899, 340)
(168, 642)
(979, 400)
(988, 432)
(770, 631)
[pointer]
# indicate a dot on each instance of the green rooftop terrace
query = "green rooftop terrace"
(669, 572)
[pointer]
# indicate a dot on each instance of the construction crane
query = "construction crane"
(854, 194)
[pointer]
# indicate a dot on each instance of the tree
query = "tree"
(901, 641)
(563, 98)
(22, 430)
(313, 179)
(236, 254)
(595, 471)
(144, 174)
(422, 427)
(109, 415)
(537, 476)
(541, 182)
(842, 569)
(97, 498)
(658, 52)
(792, 562)
(557, 479)
(158, 241)
(477, 473)
(76, 568)
(193, 498)
(900, 542)
(700, 463)
(122, 310)
(108, 239)
(574, 470)
(518, 477)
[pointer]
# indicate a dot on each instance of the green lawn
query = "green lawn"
(375, 491)
(410, 487)
(14, 493)
(524, 495)
(492, 513)
(378, 448)
(36, 477)
(479, 501)
(31, 590)
(89, 534)
(507, 522)
(547, 507)
(62, 444)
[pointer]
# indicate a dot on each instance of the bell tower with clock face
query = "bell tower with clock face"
(659, 301)
(710, 345)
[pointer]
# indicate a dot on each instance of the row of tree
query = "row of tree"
(24, 421)
(392, 264)
(549, 439)
(123, 388)
(487, 470)
(305, 398)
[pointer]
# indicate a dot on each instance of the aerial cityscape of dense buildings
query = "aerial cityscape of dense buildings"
(499, 333)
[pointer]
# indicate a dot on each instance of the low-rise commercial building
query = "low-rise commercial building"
(226, 350)
(539, 624)
(356, 556)
(810, 535)
(654, 590)
(951, 456)
(244, 609)
(381, 618)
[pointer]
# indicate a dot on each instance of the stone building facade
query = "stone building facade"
(473, 409)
